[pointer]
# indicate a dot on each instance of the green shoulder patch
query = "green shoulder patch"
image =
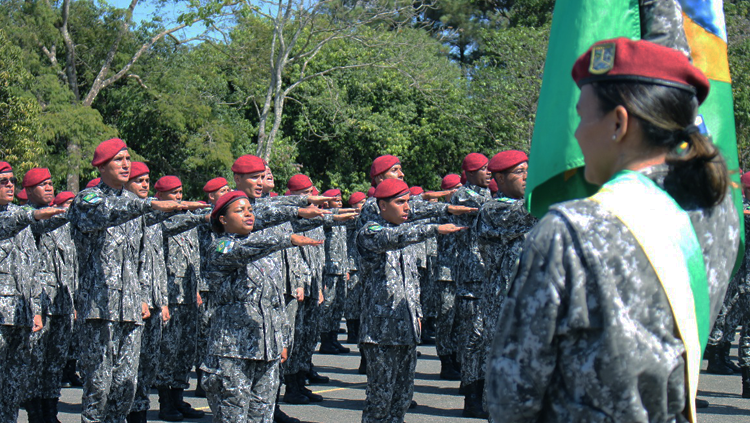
(225, 246)
(92, 198)
(375, 228)
(506, 200)
(27, 207)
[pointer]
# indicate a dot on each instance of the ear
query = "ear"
(222, 220)
(621, 119)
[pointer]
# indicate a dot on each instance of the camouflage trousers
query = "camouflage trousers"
(149, 361)
(744, 348)
(204, 322)
(49, 353)
(74, 351)
(429, 297)
(241, 390)
(334, 294)
(179, 342)
(109, 364)
(14, 369)
(290, 309)
(353, 303)
(306, 335)
(446, 324)
(733, 311)
(471, 352)
(390, 381)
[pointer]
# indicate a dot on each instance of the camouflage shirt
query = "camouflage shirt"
(20, 290)
(418, 209)
(390, 302)
(587, 333)
(336, 256)
(469, 271)
(661, 23)
(351, 245)
(182, 256)
(155, 268)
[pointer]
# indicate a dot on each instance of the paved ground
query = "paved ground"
(438, 400)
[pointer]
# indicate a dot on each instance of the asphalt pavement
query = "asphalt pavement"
(438, 400)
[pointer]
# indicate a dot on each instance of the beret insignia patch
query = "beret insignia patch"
(92, 198)
(602, 59)
(375, 228)
(225, 246)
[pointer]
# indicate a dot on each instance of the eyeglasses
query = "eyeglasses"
(520, 172)
(5, 181)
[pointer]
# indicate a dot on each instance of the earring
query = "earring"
(614, 137)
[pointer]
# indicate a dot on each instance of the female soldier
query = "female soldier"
(614, 294)
(249, 332)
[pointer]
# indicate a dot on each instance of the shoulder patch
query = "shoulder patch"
(506, 200)
(27, 207)
(375, 228)
(92, 198)
(225, 246)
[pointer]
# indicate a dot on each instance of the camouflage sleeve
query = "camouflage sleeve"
(91, 211)
(181, 222)
(304, 225)
(154, 217)
(420, 209)
(467, 198)
(288, 200)
(28, 271)
(379, 239)
(40, 227)
(145, 270)
(503, 220)
(237, 252)
(298, 271)
(661, 23)
(12, 222)
(195, 260)
(523, 355)
(269, 215)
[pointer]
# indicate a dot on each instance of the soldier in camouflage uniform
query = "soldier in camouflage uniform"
(391, 313)
(470, 283)
(249, 331)
(107, 223)
(58, 272)
(353, 285)
(587, 331)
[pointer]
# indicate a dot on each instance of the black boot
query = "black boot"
(473, 401)
(33, 408)
(447, 370)
(315, 377)
(199, 392)
(183, 407)
(362, 365)
(167, 409)
(716, 362)
(352, 331)
(456, 363)
(280, 417)
(293, 395)
(745, 382)
(69, 374)
(335, 341)
(726, 348)
(49, 410)
(310, 395)
(134, 417)
(428, 332)
(326, 345)
(699, 403)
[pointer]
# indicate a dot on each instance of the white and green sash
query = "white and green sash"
(665, 233)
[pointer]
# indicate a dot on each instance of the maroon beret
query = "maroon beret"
(493, 186)
(107, 150)
(63, 197)
(506, 160)
(415, 190)
(370, 192)
(333, 192)
(137, 169)
(288, 192)
(226, 199)
(391, 188)
(167, 183)
(474, 161)
(356, 197)
(299, 182)
(94, 182)
(463, 177)
(745, 179)
(22, 195)
(248, 164)
(5, 167)
(450, 181)
(382, 164)
(215, 184)
(623, 59)
(273, 194)
(315, 191)
(36, 176)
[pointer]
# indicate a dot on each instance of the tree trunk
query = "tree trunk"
(74, 164)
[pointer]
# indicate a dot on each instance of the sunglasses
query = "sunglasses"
(5, 181)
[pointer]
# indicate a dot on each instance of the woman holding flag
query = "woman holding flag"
(615, 294)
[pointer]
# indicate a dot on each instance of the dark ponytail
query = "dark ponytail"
(698, 176)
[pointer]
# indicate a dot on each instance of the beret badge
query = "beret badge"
(602, 58)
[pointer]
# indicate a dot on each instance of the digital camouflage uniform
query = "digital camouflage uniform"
(430, 295)
(470, 283)
(446, 324)
(334, 276)
(206, 237)
(248, 328)
(107, 224)
(58, 274)
(587, 333)
(353, 285)
(661, 23)
(20, 301)
(390, 327)
(296, 275)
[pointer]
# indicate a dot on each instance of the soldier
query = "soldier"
(470, 280)
(64, 199)
(107, 223)
(613, 292)
(23, 197)
(58, 273)
(391, 314)
(249, 331)
(268, 182)
(353, 285)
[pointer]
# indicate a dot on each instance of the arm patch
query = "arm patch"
(93, 198)
(225, 246)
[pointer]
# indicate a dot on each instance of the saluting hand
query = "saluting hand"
(310, 212)
(318, 199)
(301, 240)
(450, 228)
(195, 205)
(434, 195)
(47, 212)
(345, 216)
(458, 210)
(167, 206)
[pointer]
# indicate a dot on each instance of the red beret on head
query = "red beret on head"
(36, 176)
(391, 188)
(166, 183)
(493, 186)
(215, 184)
(382, 164)
(94, 182)
(463, 177)
(107, 150)
(333, 192)
(273, 194)
(137, 169)
(356, 197)
(315, 191)
(226, 199)
(415, 190)
(506, 160)
(474, 161)
(22, 195)
(745, 179)
(63, 197)
(248, 164)
(288, 192)
(450, 180)
(299, 182)
(370, 192)
(622, 59)
(5, 167)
